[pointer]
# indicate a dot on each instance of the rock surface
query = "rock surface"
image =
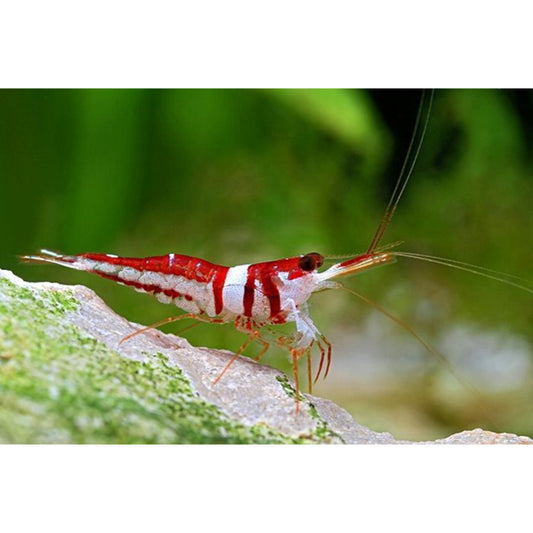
(65, 377)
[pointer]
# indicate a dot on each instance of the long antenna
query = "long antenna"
(403, 178)
(502, 277)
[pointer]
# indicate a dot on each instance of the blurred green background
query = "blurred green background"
(238, 176)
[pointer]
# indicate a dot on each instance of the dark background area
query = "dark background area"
(237, 176)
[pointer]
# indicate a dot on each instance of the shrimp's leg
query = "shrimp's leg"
(265, 347)
(296, 353)
(328, 344)
(170, 319)
(309, 372)
(323, 351)
(235, 355)
(250, 327)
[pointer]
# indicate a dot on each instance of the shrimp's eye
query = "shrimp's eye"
(311, 261)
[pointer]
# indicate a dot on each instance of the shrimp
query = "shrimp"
(251, 296)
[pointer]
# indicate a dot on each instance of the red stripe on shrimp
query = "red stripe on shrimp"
(191, 268)
(218, 288)
(271, 291)
(260, 277)
(249, 291)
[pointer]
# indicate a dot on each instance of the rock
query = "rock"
(66, 378)
(480, 436)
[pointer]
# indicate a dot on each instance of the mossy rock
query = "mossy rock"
(65, 377)
(60, 383)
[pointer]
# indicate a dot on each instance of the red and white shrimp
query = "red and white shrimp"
(252, 296)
